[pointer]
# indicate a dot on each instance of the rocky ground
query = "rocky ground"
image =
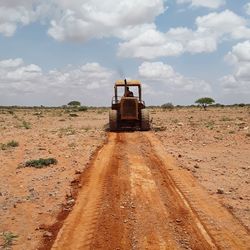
(31, 197)
(214, 145)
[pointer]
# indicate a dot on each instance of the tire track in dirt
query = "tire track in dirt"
(78, 229)
(225, 230)
(135, 197)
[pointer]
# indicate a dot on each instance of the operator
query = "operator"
(128, 93)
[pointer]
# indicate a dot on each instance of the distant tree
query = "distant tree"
(168, 106)
(205, 101)
(74, 103)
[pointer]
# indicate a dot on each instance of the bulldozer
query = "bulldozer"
(128, 111)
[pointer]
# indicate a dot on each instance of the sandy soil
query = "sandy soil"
(136, 197)
(213, 146)
(29, 197)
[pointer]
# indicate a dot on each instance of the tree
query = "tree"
(74, 103)
(205, 101)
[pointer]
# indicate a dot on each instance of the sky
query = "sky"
(56, 51)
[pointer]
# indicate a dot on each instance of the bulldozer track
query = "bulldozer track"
(134, 196)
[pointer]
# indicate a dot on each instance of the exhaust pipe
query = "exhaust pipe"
(125, 86)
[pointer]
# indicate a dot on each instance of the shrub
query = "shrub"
(8, 238)
(73, 115)
(10, 144)
(40, 163)
(241, 105)
(168, 106)
(83, 108)
(26, 125)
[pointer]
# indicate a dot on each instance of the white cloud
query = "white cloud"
(83, 20)
(88, 81)
(149, 45)
(239, 58)
(213, 4)
(11, 63)
(164, 74)
(15, 13)
(211, 30)
(240, 53)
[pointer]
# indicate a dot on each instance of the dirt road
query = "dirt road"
(134, 196)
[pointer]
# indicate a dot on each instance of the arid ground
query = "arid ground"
(183, 185)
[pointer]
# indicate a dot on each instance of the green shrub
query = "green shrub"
(83, 108)
(26, 125)
(10, 144)
(40, 163)
(8, 239)
(241, 104)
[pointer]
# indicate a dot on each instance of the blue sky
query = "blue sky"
(55, 51)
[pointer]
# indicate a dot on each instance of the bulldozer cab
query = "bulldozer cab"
(123, 87)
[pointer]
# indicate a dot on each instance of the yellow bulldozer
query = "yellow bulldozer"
(128, 111)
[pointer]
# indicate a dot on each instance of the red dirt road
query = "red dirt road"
(134, 196)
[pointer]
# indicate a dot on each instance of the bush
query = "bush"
(73, 115)
(168, 106)
(241, 105)
(26, 125)
(10, 144)
(83, 108)
(8, 239)
(40, 163)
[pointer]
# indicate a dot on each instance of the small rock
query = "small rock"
(47, 234)
(78, 172)
(122, 207)
(179, 155)
(29, 238)
(180, 124)
(71, 202)
(220, 191)
(196, 166)
(178, 220)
